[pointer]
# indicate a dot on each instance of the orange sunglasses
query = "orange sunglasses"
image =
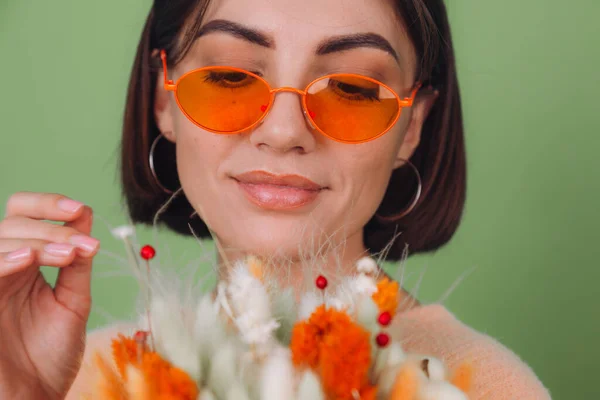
(348, 108)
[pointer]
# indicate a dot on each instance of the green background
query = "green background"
(528, 73)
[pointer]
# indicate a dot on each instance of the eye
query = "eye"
(358, 89)
(231, 79)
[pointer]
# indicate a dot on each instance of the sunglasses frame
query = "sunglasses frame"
(170, 85)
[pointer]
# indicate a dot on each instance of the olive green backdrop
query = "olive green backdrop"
(529, 78)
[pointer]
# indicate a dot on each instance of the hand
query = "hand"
(42, 329)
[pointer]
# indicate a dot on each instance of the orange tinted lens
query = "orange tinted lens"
(351, 108)
(222, 99)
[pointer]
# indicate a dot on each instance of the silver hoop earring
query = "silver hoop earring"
(413, 203)
(151, 163)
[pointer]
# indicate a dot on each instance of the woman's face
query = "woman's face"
(270, 219)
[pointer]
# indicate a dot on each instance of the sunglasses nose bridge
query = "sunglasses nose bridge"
(288, 89)
(299, 92)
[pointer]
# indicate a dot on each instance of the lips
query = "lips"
(278, 192)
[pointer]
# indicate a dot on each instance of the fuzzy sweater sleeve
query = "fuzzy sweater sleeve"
(498, 372)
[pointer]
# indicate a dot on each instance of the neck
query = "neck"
(299, 271)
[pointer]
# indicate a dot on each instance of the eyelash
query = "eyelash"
(321, 73)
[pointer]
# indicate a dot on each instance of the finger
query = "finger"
(50, 206)
(18, 227)
(73, 285)
(15, 261)
(45, 253)
(52, 255)
(83, 223)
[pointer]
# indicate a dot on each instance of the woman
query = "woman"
(278, 175)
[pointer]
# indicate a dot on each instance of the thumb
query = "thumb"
(73, 286)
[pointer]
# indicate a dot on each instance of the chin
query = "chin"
(276, 236)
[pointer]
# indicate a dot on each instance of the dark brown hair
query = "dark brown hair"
(440, 156)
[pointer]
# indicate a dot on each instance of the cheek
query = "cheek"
(370, 166)
(199, 154)
(197, 147)
(373, 170)
(192, 164)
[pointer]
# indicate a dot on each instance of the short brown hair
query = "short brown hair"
(440, 156)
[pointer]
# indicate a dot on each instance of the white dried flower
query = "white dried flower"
(123, 231)
(396, 355)
(206, 394)
(366, 265)
(365, 285)
(237, 391)
(310, 387)
(221, 301)
(209, 332)
(337, 303)
(366, 314)
(255, 331)
(437, 390)
(223, 371)
(248, 293)
(172, 338)
(308, 304)
(386, 378)
(345, 295)
(251, 306)
(436, 369)
(277, 377)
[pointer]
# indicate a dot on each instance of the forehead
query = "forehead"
(301, 25)
(319, 13)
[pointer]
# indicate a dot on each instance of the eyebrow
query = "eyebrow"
(331, 45)
(233, 28)
(348, 42)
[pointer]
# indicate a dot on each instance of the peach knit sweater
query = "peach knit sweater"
(428, 330)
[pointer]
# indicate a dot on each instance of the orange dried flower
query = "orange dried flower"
(462, 377)
(305, 344)
(168, 381)
(160, 378)
(256, 268)
(125, 351)
(386, 296)
(405, 385)
(368, 393)
(110, 386)
(336, 348)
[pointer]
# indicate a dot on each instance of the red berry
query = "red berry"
(382, 339)
(147, 252)
(384, 318)
(140, 336)
(321, 282)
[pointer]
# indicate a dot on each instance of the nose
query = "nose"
(285, 127)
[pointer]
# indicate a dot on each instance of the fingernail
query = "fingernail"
(18, 255)
(85, 242)
(59, 249)
(68, 205)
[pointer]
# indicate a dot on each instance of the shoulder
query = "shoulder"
(97, 341)
(498, 372)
